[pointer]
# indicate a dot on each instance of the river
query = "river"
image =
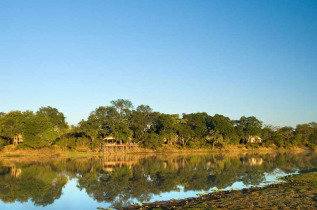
(115, 181)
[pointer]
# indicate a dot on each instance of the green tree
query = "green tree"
(198, 123)
(55, 117)
(166, 126)
(152, 140)
(39, 132)
(12, 124)
(141, 121)
(225, 127)
(122, 132)
(303, 133)
(267, 134)
(185, 133)
(216, 138)
(284, 136)
(313, 139)
(250, 126)
(124, 108)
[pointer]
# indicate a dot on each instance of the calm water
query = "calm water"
(88, 183)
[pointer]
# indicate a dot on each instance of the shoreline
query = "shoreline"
(231, 149)
(298, 191)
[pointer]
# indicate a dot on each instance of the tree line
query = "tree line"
(48, 128)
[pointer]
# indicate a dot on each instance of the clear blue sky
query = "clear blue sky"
(229, 57)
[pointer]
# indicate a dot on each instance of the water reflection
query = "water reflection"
(121, 180)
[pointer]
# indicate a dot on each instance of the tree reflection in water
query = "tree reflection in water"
(121, 180)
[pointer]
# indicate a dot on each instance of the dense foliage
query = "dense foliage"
(47, 127)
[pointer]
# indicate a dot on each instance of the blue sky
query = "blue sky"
(229, 57)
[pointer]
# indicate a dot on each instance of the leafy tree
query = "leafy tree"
(91, 129)
(166, 126)
(313, 139)
(2, 143)
(268, 133)
(198, 123)
(122, 132)
(145, 110)
(141, 121)
(100, 123)
(39, 132)
(55, 117)
(11, 125)
(225, 127)
(303, 133)
(250, 126)
(284, 136)
(185, 133)
(123, 107)
(152, 140)
(216, 138)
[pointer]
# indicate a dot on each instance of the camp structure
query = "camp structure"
(254, 140)
(112, 145)
(17, 139)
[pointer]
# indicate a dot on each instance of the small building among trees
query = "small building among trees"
(254, 140)
(17, 139)
(111, 144)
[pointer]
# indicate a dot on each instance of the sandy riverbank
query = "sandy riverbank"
(11, 151)
(297, 192)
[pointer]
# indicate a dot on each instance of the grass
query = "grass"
(80, 154)
(12, 151)
(44, 152)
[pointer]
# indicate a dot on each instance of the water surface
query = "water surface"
(88, 183)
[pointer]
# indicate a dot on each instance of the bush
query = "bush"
(195, 144)
(82, 149)
(252, 146)
(2, 144)
(152, 141)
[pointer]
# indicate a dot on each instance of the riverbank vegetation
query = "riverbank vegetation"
(47, 128)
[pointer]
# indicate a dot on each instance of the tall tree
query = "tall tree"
(225, 127)
(12, 124)
(198, 122)
(39, 131)
(250, 126)
(284, 136)
(141, 121)
(124, 108)
(57, 118)
(166, 127)
(216, 138)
